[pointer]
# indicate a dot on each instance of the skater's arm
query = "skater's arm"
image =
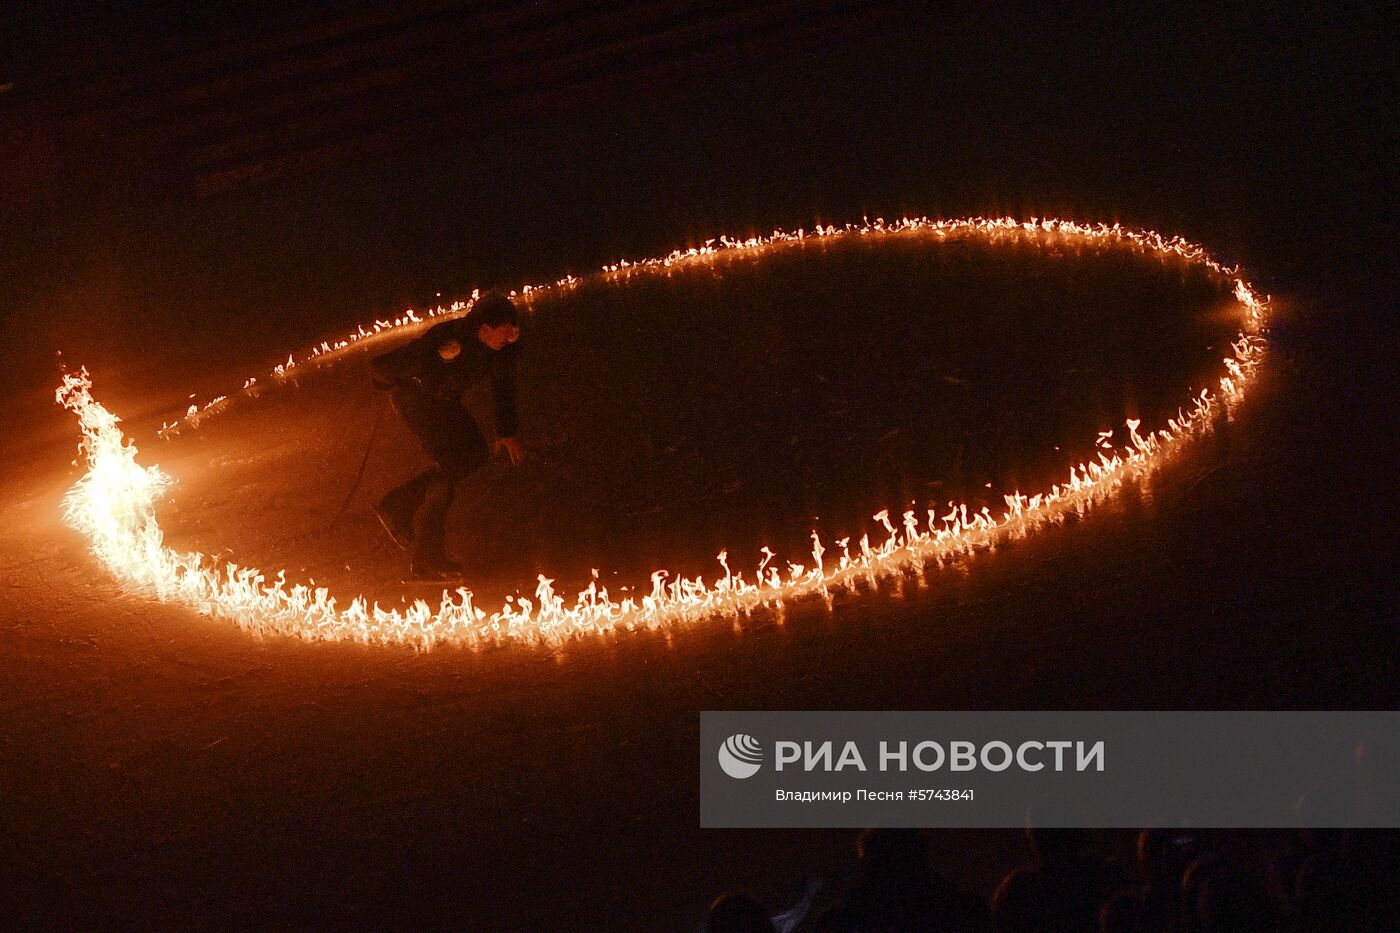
(397, 366)
(412, 360)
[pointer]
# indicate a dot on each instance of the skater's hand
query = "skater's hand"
(513, 450)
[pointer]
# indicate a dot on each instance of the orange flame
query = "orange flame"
(114, 503)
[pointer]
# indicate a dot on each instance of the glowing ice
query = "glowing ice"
(114, 503)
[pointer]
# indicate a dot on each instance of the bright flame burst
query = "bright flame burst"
(114, 503)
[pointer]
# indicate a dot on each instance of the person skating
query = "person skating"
(425, 380)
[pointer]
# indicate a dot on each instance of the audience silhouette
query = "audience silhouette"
(1221, 881)
(1062, 891)
(894, 889)
(737, 912)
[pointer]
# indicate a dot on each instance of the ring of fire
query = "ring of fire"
(113, 504)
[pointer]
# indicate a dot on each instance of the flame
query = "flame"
(114, 503)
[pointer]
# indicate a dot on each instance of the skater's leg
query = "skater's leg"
(403, 500)
(396, 509)
(451, 437)
(445, 430)
(431, 524)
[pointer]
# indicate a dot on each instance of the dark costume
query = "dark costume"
(426, 390)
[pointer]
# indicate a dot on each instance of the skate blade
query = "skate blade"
(431, 580)
(400, 541)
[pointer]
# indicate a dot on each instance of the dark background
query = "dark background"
(189, 191)
(1261, 131)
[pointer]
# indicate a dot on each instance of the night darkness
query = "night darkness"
(192, 192)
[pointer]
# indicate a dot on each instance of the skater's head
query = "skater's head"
(497, 321)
